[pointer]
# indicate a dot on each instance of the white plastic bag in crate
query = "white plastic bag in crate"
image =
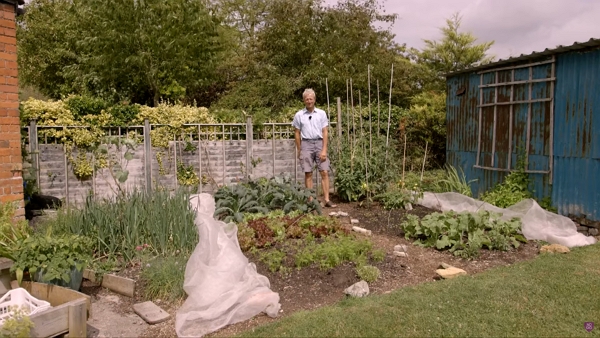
(22, 299)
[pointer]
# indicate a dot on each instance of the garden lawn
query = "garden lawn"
(552, 295)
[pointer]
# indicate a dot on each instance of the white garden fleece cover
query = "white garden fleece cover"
(537, 223)
(222, 286)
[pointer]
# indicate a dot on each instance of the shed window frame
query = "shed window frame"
(529, 82)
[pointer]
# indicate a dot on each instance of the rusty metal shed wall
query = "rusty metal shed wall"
(576, 188)
(576, 146)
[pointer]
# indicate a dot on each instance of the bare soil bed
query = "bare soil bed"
(311, 288)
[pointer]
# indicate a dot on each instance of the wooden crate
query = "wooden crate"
(68, 315)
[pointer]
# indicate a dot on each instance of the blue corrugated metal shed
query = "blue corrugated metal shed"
(552, 99)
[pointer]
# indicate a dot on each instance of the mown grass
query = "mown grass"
(552, 295)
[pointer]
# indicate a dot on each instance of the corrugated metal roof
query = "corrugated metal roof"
(535, 55)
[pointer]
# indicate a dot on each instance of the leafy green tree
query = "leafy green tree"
(425, 124)
(139, 51)
(47, 36)
(455, 51)
(334, 43)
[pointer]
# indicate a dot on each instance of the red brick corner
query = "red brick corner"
(11, 163)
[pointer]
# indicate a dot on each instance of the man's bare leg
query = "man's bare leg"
(308, 182)
(325, 184)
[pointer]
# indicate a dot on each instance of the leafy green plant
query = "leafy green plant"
(233, 201)
(282, 241)
(546, 203)
(368, 273)
(163, 277)
(273, 259)
(161, 219)
(361, 168)
(11, 233)
(261, 196)
(52, 256)
(514, 189)
(465, 233)
(260, 231)
(455, 182)
(186, 175)
(378, 255)
(399, 197)
(17, 325)
(333, 251)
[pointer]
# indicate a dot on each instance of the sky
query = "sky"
(516, 26)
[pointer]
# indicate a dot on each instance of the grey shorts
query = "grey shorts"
(309, 156)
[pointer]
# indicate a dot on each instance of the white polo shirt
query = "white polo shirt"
(310, 124)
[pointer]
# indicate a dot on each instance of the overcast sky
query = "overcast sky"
(516, 26)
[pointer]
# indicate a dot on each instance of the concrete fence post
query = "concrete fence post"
(147, 156)
(249, 142)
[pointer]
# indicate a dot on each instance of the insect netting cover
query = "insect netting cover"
(536, 223)
(223, 287)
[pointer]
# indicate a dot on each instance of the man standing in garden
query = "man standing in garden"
(311, 142)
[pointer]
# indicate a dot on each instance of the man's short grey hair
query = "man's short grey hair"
(308, 91)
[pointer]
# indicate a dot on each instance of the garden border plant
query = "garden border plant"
(261, 196)
(465, 233)
(296, 240)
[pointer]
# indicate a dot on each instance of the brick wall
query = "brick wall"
(11, 181)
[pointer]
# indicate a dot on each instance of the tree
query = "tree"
(47, 38)
(455, 51)
(335, 43)
(139, 51)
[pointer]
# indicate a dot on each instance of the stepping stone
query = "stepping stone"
(361, 230)
(401, 248)
(360, 289)
(450, 272)
(554, 248)
(150, 312)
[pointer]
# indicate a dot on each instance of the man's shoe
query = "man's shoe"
(328, 204)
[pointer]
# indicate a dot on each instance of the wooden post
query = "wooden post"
(223, 148)
(249, 140)
(273, 146)
(77, 320)
(175, 158)
(147, 156)
(327, 90)
(34, 151)
(66, 163)
(339, 125)
(200, 157)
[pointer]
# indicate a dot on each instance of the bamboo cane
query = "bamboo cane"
(378, 110)
(353, 128)
(362, 140)
(387, 136)
(370, 120)
(347, 113)
(404, 160)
